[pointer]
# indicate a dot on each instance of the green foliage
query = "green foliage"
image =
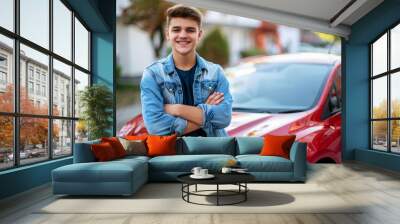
(97, 103)
(252, 52)
(149, 15)
(215, 47)
(118, 72)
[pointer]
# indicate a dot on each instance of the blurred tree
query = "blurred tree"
(118, 72)
(395, 123)
(148, 15)
(34, 130)
(81, 129)
(215, 47)
(380, 128)
(252, 52)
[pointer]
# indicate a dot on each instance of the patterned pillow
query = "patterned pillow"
(134, 147)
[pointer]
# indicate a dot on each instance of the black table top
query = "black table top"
(220, 178)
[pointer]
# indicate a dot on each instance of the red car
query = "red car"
(296, 94)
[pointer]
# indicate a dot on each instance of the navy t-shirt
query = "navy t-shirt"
(187, 79)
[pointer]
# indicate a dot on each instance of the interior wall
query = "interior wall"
(356, 125)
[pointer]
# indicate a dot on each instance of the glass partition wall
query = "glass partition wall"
(44, 64)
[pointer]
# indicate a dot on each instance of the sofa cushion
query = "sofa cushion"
(111, 171)
(257, 163)
(185, 163)
(249, 145)
(116, 145)
(206, 145)
(134, 147)
(277, 145)
(161, 145)
(103, 152)
(135, 137)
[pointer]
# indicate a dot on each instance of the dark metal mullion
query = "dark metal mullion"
(386, 73)
(8, 33)
(16, 83)
(40, 116)
(50, 81)
(73, 82)
(114, 78)
(371, 133)
(385, 119)
(389, 106)
(41, 49)
(84, 70)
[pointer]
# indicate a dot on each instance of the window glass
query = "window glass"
(6, 74)
(62, 138)
(33, 140)
(39, 62)
(62, 29)
(81, 81)
(379, 56)
(81, 45)
(395, 47)
(6, 142)
(395, 95)
(81, 131)
(379, 135)
(379, 98)
(35, 21)
(7, 14)
(62, 91)
(395, 136)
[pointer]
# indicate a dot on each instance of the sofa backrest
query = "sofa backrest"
(206, 145)
(83, 153)
(249, 145)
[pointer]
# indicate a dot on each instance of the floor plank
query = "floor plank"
(377, 190)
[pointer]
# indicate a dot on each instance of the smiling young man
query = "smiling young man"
(183, 93)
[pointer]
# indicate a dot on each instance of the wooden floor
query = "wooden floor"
(378, 189)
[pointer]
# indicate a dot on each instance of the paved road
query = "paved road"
(124, 114)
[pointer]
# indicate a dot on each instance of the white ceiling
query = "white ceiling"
(317, 15)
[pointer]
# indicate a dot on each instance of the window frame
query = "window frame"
(388, 74)
(16, 114)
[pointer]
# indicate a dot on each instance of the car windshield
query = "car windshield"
(277, 87)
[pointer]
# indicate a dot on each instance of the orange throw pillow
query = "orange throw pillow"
(277, 145)
(161, 145)
(136, 137)
(116, 145)
(103, 152)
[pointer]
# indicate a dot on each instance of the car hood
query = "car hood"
(259, 124)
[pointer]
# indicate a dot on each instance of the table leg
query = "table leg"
(245, 193)
(188, 190)
(217, 194)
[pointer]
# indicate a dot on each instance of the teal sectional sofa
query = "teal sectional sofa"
(125, 176)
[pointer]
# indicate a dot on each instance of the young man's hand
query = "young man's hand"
(215, 98)
(191, 113)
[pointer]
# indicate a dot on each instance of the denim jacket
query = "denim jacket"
(161, 85)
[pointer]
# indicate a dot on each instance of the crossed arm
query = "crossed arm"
(164, 119)
(193, 115)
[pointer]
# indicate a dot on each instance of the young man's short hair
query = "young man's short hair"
(181, 11)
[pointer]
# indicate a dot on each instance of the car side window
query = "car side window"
(333, 103)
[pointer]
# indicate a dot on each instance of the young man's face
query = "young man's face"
(183, 34)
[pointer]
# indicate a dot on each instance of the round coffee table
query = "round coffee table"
(238, 179)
